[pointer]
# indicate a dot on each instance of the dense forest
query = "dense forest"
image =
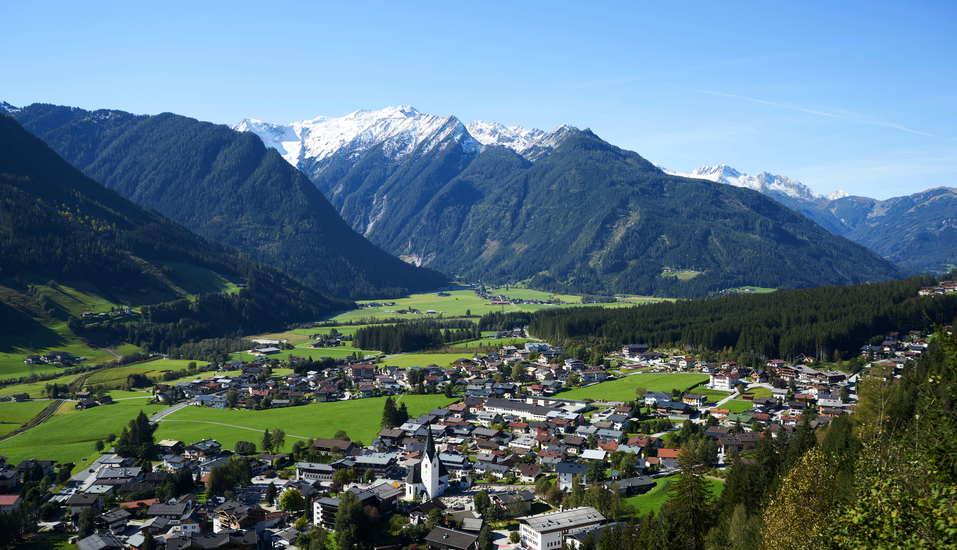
(57, 223)
(817, 322)
(414, 336)
(226, 186)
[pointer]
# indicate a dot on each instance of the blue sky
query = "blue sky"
(856, 96)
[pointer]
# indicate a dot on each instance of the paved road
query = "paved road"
(169, 410)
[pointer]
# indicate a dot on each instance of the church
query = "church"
(429, 478)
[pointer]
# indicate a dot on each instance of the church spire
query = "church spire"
(429, 443)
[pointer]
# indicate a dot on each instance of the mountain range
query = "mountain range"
(918, 231)
(228, 187)
(562, 209)
(58, 225)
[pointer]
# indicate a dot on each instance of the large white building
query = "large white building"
(428, 478)
(547, 531)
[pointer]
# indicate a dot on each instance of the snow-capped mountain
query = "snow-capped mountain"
(764, 182)
(7, 109)
(531, 144)
(401, 130)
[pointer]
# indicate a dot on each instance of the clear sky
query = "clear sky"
(840, 95)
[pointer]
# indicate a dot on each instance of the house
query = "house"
(528, 473)
(668, 457)
(9, 503)
(738, 442)
(84, 404)
(314, 471)
(567, 471)
(113, 520)
(100, 542)
(80, 501)
(449, 539)
(547, 531)
(694, 400)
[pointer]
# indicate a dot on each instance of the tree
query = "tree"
(350, 521)
(486, 539)
(514, 537)
(278, 440)
(799, 512)
(689, 504)
(518, 373)
(232, 398)
(271, 491)
(291, 500)
(148, 542)
(640, 392)
(137, 440)
(245, 448)
(342, 436)
(267, 441)
(482, 502)
(84, 523)
(368, 476)
(434, 519)
(99, 445)
(390, 414)
(595, 472)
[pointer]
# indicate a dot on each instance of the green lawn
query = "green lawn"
(425, 359)
(69, 438)
(737, 406)
(655, 498)
(623, 389)
(759, 391)
(713, 395)
(360, 418)
(13, 415)
(493, 342)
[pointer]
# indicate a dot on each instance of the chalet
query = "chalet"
(694, 400)
(441, 538)
(632, 351)
(738, 442)
(668, 457)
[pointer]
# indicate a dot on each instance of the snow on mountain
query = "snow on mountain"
(531, 144)
(401, 130)
(7, 109)
(763, 182)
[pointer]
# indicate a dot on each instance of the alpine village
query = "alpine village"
(211, 340)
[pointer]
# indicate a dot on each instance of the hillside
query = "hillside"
(918, 231)
(228, 187)
(58, 226)
(565, 210)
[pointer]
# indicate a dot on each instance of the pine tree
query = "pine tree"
(267, 441)
(689, 504)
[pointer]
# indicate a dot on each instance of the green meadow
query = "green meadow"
(656, 497)
(71, 437)
(360, 418)
(426, 359)
(13, 415)
(623, 389)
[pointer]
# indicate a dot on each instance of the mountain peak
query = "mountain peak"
(765, 182)
(7, 109)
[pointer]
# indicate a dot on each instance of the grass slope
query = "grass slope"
(69, 438)
(359, 418)
(655, 498)
(623, 389)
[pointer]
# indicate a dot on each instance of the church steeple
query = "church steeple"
(429, 444)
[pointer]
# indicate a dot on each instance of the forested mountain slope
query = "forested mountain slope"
(590, 217)
(226, 186)
(57, 223)
(579, 215)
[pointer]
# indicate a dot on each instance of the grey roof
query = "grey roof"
(564, 520)
(451, 538)
(99, 542)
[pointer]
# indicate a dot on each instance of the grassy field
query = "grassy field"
(655, 498)
(684, 275)
(13, 415)
(34, 389)
(759, 391)
(360, 418)
(492, 342)
(623, 389)
(737, 406)
(750, 290)
(462, 301)
(425, 359)
(69, 438)
(118, 375)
